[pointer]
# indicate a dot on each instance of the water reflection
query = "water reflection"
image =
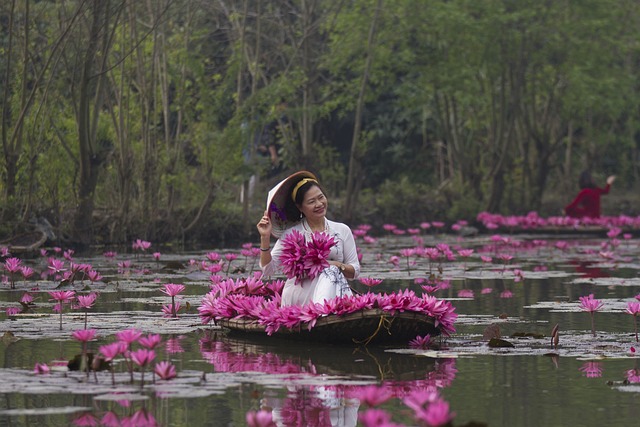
(329, 386)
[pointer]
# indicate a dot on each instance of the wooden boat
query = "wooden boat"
(25, 242)
(364, 327)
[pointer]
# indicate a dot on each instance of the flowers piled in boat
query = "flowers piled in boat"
(305, 259)
(234, 300)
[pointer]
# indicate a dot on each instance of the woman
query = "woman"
(299, 203)
(587, 202)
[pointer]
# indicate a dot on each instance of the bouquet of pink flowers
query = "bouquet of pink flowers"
(302, 259)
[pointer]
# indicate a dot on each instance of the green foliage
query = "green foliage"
(403, 202)
(466, 103)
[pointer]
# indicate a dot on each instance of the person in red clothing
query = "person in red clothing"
(587, 202)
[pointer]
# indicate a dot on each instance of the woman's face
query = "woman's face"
(314, 204)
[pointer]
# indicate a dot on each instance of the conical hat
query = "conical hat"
(276, 202)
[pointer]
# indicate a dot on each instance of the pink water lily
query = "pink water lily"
(85, 302)
(633, 308)
(128, 336)
(142, 357)
(62, 297)
(420, 342)
(41, 368)
(165, 370)
(141, 245)
(436, 414)
(301, 259)
(370, 281)
(376, 418)
(84, 335)
(372, 395)
(173, 290)
(12, 266)
(591, 305)
(150, 341)
(260, 418)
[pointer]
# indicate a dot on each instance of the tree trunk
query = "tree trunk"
(90, 103)
(354, 155)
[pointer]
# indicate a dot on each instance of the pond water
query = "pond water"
(531, 284)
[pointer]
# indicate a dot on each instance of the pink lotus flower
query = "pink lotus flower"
(633, 376)
(41, 368)
(143, 357)
(165, 370)
(26, 298)
(156, 256)
(86, 301)
(86, 419)
(12, 266)
(591, 305)
(466, 293)
(173, 290)
(372, 395)
(370, 282)
(12, 311)
(213, 256)
(436, 414)
(94, 276)
(84, 335)
(376, 418)
(506, 294)
(421, 342)
(26, 271)
(316, 257)
(113, 350)
(55, 266)
(151, 341)
(128, 336)
(62, 297)
(260, 418)
(305, 260)
(141, 245)
(633, 308)
(171, 310)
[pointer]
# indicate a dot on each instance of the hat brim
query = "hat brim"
(277, 199)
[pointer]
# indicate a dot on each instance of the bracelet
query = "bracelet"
(265, 249)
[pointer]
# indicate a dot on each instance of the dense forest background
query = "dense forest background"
(126, 119)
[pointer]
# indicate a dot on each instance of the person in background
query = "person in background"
(272, 137)
(587, 202)
(302, 203)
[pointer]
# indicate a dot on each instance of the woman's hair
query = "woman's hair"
(585, 180)
(290, 207)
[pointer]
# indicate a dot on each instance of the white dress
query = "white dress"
(331, 282)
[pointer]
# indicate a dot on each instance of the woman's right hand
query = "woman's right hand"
(264, 225)
(611, 179)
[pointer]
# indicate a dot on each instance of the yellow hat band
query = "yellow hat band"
(302, 182)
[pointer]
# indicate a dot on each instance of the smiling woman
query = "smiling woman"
(297, 206)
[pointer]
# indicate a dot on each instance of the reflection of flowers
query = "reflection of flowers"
(592, 369)
(302, 259)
